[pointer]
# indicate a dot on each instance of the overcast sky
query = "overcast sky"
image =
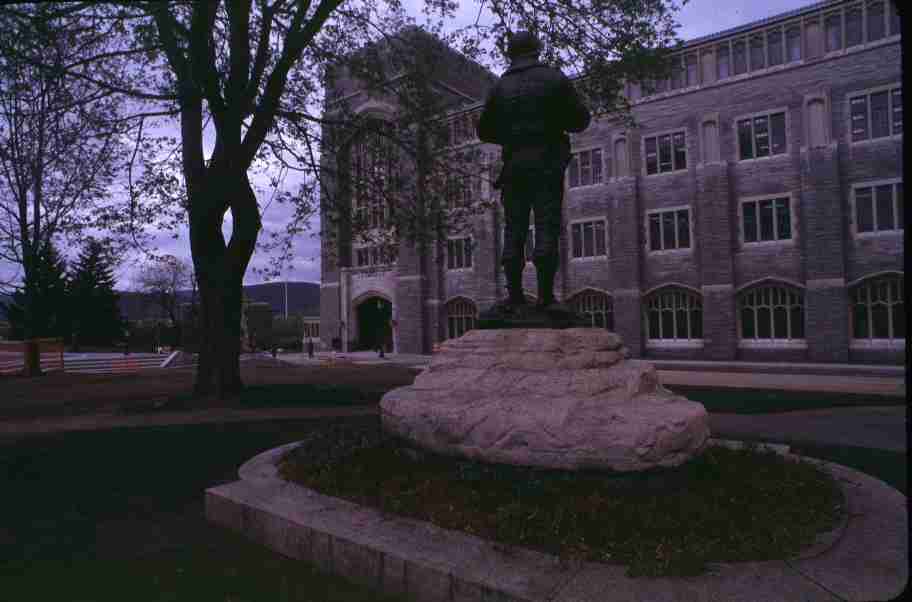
(697, 18)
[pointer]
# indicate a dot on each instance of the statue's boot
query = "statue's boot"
(546, 300)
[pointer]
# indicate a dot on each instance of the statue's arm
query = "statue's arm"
(577, 115)
(487, 129)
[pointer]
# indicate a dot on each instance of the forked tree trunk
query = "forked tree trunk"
(219, 272)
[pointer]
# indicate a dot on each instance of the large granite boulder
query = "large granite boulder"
(566, 399)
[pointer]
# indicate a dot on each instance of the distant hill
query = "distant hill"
(303, 298)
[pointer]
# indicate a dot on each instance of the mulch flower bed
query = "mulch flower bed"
(723, 506)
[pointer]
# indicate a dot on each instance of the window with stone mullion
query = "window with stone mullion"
(597, 307)
(674, 315)
(766, 220)
(460, 317)
(588, 239)
(878, 310)
(854, 33)
(879, 208)
(772, 313)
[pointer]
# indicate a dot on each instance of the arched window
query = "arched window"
(877, 309)
(710, 141)
(374, 175)
(620, 156)
(596, 307)
(771, 313)
(674, 314)
(816, 112)
(461, 315)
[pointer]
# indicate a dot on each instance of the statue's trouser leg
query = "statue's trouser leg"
(516, 205)
(546, 201)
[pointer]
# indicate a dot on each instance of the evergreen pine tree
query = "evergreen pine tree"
(96, 315)
(49, 313)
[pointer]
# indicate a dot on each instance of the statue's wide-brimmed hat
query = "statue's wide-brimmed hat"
(522, 43)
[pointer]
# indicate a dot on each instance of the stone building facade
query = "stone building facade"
(755, 212)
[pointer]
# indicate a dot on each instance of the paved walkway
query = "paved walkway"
(874, 427)
(826, 378)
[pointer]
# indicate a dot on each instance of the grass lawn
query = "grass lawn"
(889, 466)
(723, 506)
(118, 516)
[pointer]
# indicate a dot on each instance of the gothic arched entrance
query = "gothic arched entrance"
(374, 324)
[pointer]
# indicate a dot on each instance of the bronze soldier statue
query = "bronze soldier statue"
(528, 113)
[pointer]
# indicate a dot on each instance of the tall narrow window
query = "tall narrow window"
(793, 43)
(853, 30)
(739, 52)
(723, 60)
(814, 41)
(777, 130)
(652, 157)
(708, 63)
(620, 156)
(886, 215)
(655, 233)
(774, 46)
(745, 139)
(691, 70)
(880, 115)
(897, 111)
(677, 73)
(858, 110)
(585, 163)
(665, 162)
(833, 32)
(573, 171)
(710, 141)
(816, 123)
(895, 27)
(757, 53)
(876, 24)
(761, 135)
(680, 150)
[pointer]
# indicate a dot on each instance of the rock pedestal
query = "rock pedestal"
(561, 399)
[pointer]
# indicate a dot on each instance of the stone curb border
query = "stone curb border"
(864, 558)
